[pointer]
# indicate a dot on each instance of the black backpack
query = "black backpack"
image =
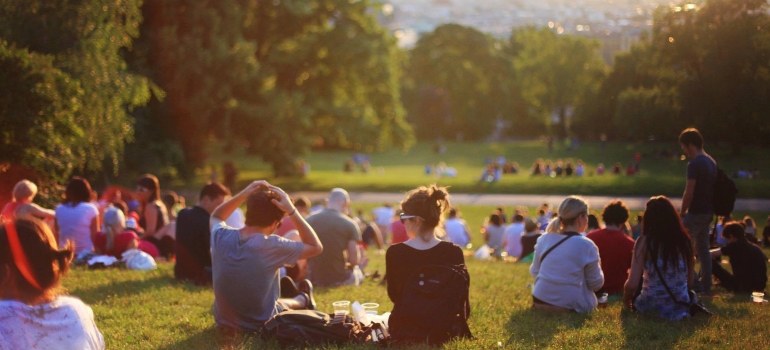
(725, 192)
(434, 306)
(309, 327)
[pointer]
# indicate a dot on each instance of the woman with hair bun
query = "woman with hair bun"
(422, 215)
(566, 265)
(34, 313)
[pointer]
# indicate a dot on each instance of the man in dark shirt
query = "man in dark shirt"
(193, 256)
(697, 201)
(746, 259)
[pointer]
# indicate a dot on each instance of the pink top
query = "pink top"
(9, 211)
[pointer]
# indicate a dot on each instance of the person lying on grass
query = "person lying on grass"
(245, 262)
(34, 313)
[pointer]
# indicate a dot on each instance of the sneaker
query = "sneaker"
(288, 288)
(306, 288)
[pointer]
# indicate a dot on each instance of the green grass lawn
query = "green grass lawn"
(396, 171)
(150, 310)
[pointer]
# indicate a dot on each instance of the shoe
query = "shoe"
(306, 288)
(288, 288)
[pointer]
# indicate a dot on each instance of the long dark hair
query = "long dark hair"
(78, 190)
(666, 237)
(151, 183)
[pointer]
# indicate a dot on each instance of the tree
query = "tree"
(66, 88)
(556, 73)
(460, 83)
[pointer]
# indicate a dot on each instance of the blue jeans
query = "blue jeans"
(698, 225)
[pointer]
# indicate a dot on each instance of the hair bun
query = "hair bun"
(438, 193)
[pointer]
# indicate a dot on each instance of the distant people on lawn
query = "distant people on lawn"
(339, 235)
(663, 254)
(192, 246)
(115, 238)
(153, 215)
(245, 262)
(528, 240)
(697, 201)
(34, 312)
(382, 216)
(494, 234)
(76, 218)
(512, 236)
(566, 265)
(456, 228)
(616, 249)
(422, 213)
(21, 203)
(748, 262)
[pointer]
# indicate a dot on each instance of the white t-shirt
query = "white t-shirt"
(65, 323)
(455, 231)
(75, 224)
(383, 215)
(236, 219)
(513, 238)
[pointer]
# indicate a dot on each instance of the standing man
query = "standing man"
(193, 256)
(339, 235)
(245, 262)
(697, 201)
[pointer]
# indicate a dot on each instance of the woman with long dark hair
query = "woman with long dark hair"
(663, 257)
(153, 215)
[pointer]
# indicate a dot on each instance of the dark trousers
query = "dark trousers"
(727, 279)
(165, 245)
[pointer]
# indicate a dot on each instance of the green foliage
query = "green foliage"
(557, 73)
(460, 82)
(707, 66)
(277, 77)
(65, 86)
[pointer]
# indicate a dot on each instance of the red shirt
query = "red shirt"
(286, 225)
(119, 245)
(615, 251)
(399, 232)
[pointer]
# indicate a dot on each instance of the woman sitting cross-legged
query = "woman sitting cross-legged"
(663, 258)
(33, 312)
(566, 265)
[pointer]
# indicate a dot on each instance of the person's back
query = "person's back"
(513, 237)
(335, 232)
(561, 280)
(192, 246)
(74, 222)
(64, 323)
(456, 231)
(616, 250)
(245, 276)
(654, 297)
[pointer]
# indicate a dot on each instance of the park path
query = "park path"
(530, 200)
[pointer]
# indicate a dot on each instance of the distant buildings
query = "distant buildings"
(616, 23)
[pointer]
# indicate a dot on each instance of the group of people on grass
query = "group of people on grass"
(246, 265)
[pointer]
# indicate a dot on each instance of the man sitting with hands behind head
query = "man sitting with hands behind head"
(245, 262)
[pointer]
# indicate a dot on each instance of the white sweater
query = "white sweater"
(570, 273)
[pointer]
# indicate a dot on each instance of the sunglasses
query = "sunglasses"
(404, 217)
(141, 189)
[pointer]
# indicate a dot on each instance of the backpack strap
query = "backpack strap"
(569, 235)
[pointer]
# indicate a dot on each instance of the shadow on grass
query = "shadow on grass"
(127, 288)
(536, 328)
(646, 331)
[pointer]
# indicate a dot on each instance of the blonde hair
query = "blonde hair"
(569, 210)
(24, 189)
(114, 223)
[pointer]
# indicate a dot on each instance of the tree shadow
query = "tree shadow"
(533, 328)
(647, 331)
(128, 288)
